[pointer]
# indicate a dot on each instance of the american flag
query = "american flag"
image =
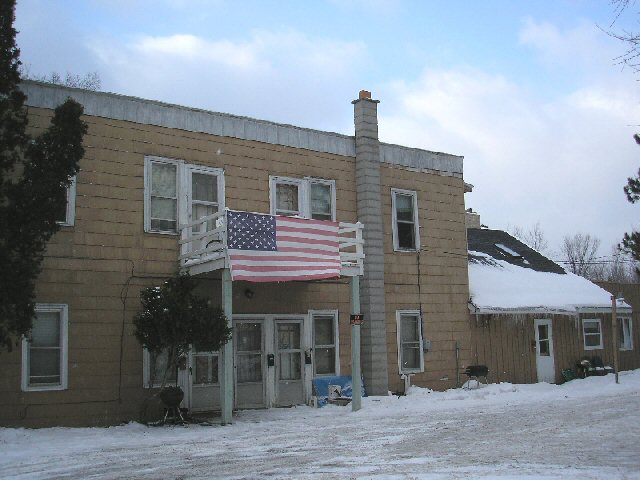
(270, 248)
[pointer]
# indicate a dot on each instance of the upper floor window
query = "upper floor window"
(624, 333)
(303, 197)
(177, 192)
(592, 333)
(66, 216)
(410, 353)
(404, 204)
(44, 350)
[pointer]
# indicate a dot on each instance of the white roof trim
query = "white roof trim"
(484, 310)
(151, 112)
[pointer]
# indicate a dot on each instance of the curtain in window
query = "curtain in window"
(204, 192)
(287, 199)
(624, 333)
(321, 201)
(45, 349)
(159, 363)
(248, 352)
(163, 197)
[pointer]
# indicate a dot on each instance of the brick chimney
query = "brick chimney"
(369, 209)
(471, 219)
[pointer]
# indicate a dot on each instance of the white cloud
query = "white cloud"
(583, 50)
(561, 161)
(197, 49)
(285, 76)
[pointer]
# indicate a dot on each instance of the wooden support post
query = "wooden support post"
(226, 385)
(356, 380)
(614, 334)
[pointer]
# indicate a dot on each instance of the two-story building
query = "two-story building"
(151, 198)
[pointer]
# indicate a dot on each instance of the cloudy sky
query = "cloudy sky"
(528, 92)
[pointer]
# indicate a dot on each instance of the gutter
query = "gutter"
(577, 310)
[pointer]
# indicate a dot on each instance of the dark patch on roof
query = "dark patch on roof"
(484, 240)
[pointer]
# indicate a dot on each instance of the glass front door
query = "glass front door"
(205, 384)
(289, 363)
(249, 363)
(269, 361)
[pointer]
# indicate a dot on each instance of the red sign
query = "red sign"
(356, 318)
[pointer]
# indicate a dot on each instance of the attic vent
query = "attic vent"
(507, 251)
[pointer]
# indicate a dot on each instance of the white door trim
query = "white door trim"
(269, 374)
(545, 364)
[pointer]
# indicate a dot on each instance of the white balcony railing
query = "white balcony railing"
(203, 246)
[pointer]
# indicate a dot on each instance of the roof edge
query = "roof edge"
(153, 112)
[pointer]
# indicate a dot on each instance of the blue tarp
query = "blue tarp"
(321, 387)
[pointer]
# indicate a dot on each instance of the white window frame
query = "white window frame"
(146, 371)
(148, 161)
(399, 314)
(627, 343)
(321, 181)
(304, 193)
(336, 339)
(394, 215)
(584, 335)
(184, 195)
(186, 215)
(63, 310)
(192, 366)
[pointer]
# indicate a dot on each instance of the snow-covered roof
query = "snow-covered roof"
(502, 285)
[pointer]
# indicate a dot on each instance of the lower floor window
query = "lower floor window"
(410, 355)
(624, 334)
(324, 343)
(155, 366)
(44, 350)
(205, 368)
(592, 333)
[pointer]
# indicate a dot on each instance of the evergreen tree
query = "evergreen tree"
(173, 319)
(34, 176)
(631, 241)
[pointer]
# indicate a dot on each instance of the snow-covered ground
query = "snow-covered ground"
(580, 430)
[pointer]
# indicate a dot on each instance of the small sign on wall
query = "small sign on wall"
(356, 318)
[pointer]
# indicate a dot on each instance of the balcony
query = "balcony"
(204, 243)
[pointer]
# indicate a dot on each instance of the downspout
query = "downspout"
(457, 364)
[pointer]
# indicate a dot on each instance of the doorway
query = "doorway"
(270, 360)
(544, 350)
